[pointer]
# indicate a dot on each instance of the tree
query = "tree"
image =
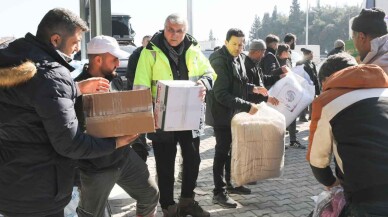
(255, 29)
(211, 37)
(295, 20)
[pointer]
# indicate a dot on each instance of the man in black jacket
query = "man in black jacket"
(39, 131)
(123, 166)
(228, 98)
(255, 74)
(133, 59)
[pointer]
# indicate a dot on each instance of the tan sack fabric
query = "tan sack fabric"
(257, 145)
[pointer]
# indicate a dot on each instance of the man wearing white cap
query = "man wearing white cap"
(123, 166)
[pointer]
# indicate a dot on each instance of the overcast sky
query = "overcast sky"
(18, 17)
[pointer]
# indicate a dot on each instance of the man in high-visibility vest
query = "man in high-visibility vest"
(172, 54)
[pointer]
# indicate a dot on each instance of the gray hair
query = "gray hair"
(176, 18)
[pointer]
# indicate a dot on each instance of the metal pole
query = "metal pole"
(307, 23)
(190, 16)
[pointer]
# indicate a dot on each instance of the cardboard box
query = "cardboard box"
(177, 105)
(118, 113)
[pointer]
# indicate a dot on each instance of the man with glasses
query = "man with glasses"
(172, 54)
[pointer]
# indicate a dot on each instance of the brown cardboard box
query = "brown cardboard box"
(118, 113)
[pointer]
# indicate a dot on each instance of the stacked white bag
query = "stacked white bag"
(294, 93)
(257, 145)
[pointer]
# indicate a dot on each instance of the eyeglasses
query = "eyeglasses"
(172, 31)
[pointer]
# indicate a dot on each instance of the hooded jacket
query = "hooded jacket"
(350, 120)
(378, 54)
(39, 132)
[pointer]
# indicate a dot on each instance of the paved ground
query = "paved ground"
(288, 195)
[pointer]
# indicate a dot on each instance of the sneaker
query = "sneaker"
(188, 206)
(171, 211)
(296, 144)
(224, 200)
(237, 190)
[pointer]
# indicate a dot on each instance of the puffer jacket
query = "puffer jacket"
(39, 132)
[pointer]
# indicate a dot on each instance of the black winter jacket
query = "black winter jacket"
(311, 70)
(269, 64)
(255, 76)
(231, 88)
(39, 132)
(99, 164)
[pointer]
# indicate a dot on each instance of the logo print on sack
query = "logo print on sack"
(290, 96)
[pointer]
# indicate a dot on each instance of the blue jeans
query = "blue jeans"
(133, 176)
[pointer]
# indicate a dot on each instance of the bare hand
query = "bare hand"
(94, 85)
(202, 91)
(285, 69)
(253, 109)
(273, 100)
(336, 183)
(125, 140)
(260, 90)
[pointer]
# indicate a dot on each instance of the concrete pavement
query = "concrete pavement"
(286, 196)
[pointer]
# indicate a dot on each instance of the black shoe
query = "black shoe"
(252, 183)
(237, 190)
(224, 200)
(296, 144)
(303, 119)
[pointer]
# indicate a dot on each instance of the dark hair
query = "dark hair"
(234, 32)
(59, 21)
(271, 38)
(289, 37)
(216, 48)
(305, 51)
(334, 64)
(282, 48)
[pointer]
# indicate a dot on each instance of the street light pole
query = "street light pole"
(307, 23)
(190, 16)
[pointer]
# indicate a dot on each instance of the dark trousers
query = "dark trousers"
(139, 147)
(221, 157)
(372, 209)
(165, 154)
(132, 176)
(292, 131)
(59, 214)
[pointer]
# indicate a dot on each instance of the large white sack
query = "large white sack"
(299, 70)
(294, 94)
(257, 145)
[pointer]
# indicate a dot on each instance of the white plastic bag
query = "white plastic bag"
(257, 145)
(70, 209)
(294, 94)
(329, 203)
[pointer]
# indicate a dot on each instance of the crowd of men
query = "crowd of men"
(43, 138)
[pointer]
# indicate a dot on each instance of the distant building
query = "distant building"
(209, 45)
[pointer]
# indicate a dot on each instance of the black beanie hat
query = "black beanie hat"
(370, 21)
(305, 51)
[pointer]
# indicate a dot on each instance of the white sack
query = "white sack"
(257, 145)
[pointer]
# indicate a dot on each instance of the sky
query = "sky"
(17, 17)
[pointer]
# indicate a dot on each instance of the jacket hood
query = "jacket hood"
(356, 77)
(379, 52)
(14, 75)
(17, 61)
